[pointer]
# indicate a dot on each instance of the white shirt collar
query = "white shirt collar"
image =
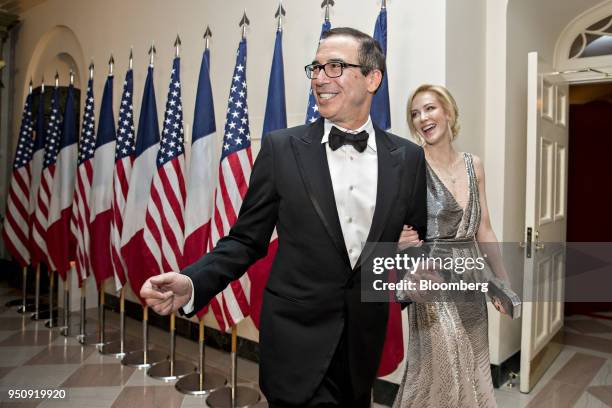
(368, 127)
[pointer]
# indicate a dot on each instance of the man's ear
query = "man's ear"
(374, 79)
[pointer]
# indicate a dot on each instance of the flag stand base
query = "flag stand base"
(243, 397)
(138, 360)
(197, 384)
(27, 308)
(172, 369)
(14, 302)
(234, 396)
(114, 348)
(52, 323)
(42, 314)
(200, 383)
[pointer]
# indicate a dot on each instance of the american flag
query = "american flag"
(80, 209)
(232, 304)
(124, 158)
(52, 143)
(36, 256)
(16, 229)
(312, 110)
(164, 222)
(133, 246)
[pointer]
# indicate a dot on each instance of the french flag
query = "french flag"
(102, 188)
(147, 145)
(201, 174)
(60, 241)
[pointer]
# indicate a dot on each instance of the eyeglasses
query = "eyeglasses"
(332, 69)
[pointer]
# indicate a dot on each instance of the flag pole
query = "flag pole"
(146, 357)
(52, 322)
(39, 312)
(119, 348)
(67, 281)
(327, 4)
(66, 329)
(207, 37)
(34, 315)
(171, 369)
(280, 13)
(200, 383)
(26, 304)
(84, 336)
(101, 316)
(234, 395)
(104, 345)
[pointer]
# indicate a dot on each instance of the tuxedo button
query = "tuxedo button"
(351, 188)
(350, 250)
(349, 220)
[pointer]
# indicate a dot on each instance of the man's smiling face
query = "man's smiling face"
(344, 100)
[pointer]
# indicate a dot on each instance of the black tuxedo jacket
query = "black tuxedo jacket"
(312, 295)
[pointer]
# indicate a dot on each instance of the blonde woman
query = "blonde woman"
(448, 350)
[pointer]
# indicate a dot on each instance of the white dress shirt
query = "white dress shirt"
(354, 178)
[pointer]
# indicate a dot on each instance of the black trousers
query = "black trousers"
(335, 390)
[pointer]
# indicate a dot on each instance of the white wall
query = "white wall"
(465, 69)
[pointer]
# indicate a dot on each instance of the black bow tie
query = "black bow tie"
(339, 138)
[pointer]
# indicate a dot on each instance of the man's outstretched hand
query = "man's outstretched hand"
(167, 292)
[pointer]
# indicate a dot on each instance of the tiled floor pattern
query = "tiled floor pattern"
(32, 356)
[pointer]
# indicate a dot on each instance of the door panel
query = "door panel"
(545, 207)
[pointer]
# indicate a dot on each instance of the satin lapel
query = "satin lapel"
(388, 186)
(312, 162)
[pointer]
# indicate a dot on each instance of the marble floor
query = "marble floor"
(34, 357)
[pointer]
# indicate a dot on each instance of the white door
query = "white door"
(545, 218)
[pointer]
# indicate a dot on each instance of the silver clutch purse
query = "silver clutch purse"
(509, 300)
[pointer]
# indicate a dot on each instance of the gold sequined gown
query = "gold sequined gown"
(448, 348)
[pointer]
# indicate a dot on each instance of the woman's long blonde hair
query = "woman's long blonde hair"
(448, 104)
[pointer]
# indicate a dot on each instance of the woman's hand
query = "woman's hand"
(408, 238)
(499, 305)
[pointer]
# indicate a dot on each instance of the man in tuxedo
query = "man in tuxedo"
(327, 187)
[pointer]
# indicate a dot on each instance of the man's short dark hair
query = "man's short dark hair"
(370, 54)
